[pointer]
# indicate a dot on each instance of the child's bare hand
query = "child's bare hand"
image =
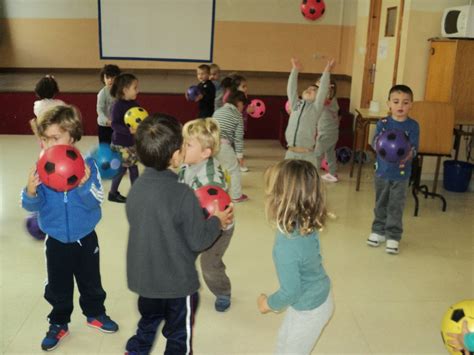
(456, 340)
(226, 217)
(296, 64)
(133, 130)
(109, 122)
(250, 109)
(330, 65)
(33, 182)
(199, 97)
(262, 304)
(87, 174)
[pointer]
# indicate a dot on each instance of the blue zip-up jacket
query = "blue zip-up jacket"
(68, 216)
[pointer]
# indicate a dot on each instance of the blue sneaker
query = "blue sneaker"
(103, 323)
(54, 335)
(222, 303)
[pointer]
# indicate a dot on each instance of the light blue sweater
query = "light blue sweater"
(304, 284)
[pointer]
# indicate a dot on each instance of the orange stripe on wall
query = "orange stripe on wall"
(247, 46)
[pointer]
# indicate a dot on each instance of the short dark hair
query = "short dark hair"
(401, 88)
(226, 83)
(205, 67)
(236, 97)
(110, 71)
(237, 79)
(157, 138)
(121, 82)
(47, 87)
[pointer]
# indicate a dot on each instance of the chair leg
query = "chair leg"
(414, 193)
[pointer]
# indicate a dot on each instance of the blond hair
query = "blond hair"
(67, 117)
(214, 66)
(295, 198)
(206, 131)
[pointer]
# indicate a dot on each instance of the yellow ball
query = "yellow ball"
(134, 116)
(453, 320)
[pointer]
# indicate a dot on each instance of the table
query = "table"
(364, 118)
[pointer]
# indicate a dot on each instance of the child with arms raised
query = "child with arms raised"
(302, 125)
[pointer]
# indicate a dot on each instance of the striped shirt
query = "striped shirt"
(231, 126)
(207, 172)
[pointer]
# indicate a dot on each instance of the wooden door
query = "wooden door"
(387, 58)
(371, 53)
(439, 81)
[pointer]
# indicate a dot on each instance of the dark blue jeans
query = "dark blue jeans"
(64, 262)
(178, 315)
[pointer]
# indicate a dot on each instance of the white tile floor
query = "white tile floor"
(384, 304)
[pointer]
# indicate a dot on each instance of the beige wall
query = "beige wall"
(249, 36)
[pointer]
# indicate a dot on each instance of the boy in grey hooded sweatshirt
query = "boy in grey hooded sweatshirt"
(311, 128)
(328, 133)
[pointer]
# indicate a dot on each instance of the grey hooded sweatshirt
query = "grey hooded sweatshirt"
(301, 130)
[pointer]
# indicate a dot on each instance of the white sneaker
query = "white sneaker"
(392, 246)
(244, 169)
(329, 178)
(375, 239)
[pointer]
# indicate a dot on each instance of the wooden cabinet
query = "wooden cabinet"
(451, 76)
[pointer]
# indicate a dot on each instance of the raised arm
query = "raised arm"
(292, 87)
(323, 90)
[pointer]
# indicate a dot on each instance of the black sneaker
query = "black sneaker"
(117, 197)
(54, 335)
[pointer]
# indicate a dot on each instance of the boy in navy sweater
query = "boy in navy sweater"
(208, 91)
(68, 219)
(391, 179)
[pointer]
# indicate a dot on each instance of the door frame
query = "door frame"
(371, 53)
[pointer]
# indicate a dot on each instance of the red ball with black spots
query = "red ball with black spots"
(312, 9)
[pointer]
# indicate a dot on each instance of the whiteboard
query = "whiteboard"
(164, 30)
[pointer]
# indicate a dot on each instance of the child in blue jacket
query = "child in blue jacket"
(71, 245)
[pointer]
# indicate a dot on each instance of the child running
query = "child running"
(296, 204)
